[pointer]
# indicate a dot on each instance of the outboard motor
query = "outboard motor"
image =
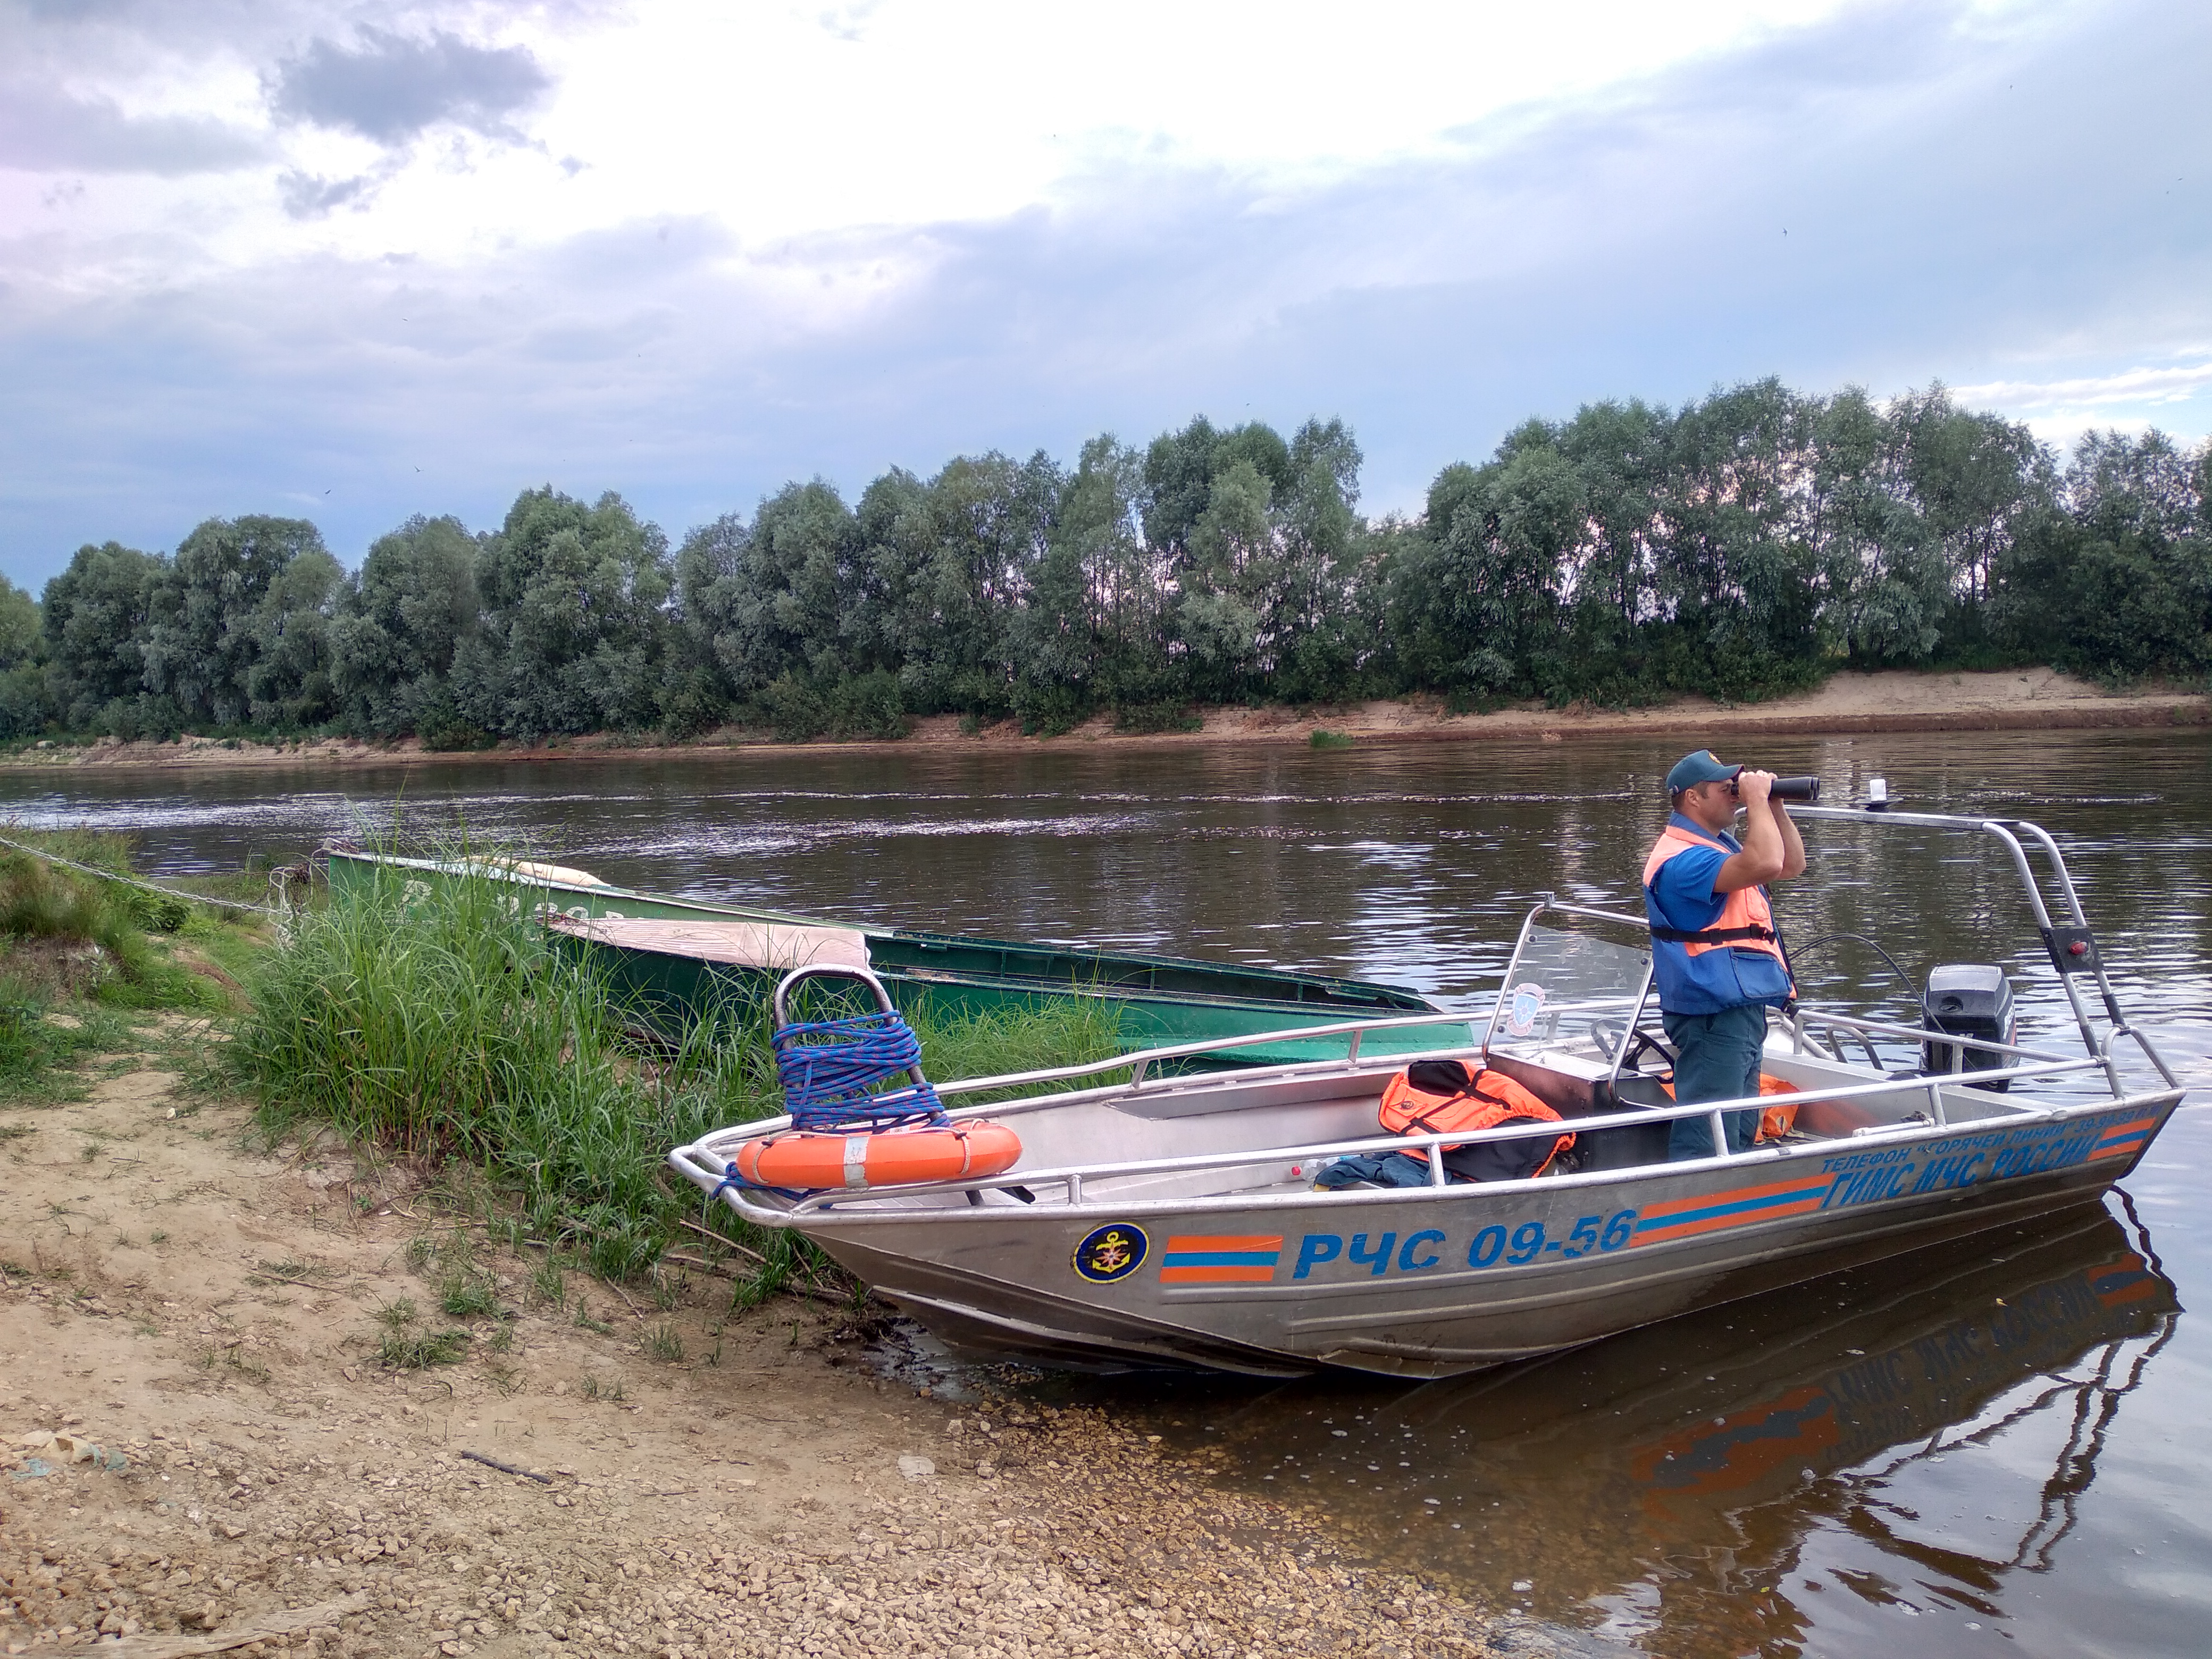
(1971, 1000)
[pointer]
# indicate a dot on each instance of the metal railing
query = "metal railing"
(705, 1161)
(1141, 1061)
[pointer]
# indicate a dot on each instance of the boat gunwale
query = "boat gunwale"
(849, 1208)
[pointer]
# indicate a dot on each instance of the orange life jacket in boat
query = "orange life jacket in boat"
(1774, 1121)
(1431, 1096)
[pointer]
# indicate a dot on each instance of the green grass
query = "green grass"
(36, 1054)
(1325, 740)
(92, 950)
(549, 1285)
(438, 1025)
(415, 1350)
(466, 1295)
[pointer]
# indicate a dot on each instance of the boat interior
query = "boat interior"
(1575, 1023)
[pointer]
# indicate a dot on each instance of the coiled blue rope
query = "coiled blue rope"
(827, 1066)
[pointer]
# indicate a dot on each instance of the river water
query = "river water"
(1998, 1448)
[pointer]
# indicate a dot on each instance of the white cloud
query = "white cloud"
(777, 121)
(2062, 410)
(2132, 388)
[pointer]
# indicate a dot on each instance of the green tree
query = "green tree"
(953, 564)
(289, 684)
(574, 626)
(1732, 572)
(24, 708)
(1182, 470)
(1225, 582)
(399, 625)
(1318, 619)
(1970, 475)
(200, 641)
(1619, 452)
(1097, 618)
(771, 599)
(2112, 578)
(94, 618)
(1886, 586)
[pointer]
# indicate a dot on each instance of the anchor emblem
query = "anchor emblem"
(1112, 1253)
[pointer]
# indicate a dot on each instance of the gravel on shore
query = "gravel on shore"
(1065, 1536)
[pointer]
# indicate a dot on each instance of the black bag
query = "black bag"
(1500, 1160)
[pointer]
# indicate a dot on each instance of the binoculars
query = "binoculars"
(1807, 790)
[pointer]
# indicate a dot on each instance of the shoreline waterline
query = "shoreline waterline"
(1892, 700)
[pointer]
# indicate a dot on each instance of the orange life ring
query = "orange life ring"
(896, 1157)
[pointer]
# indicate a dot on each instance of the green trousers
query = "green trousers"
(1717, 1057)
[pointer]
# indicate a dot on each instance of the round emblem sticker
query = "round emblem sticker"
(1112, 1253)
(1522, 1011)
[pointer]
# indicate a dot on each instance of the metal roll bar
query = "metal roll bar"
(2072, 948)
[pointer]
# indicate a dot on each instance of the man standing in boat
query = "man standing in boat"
(1714, 952)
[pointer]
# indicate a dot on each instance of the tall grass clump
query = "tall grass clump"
(1064, 1031)
(41, 901)
(430, 1016)
(68, 935)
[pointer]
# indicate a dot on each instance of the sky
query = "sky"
(356, 263)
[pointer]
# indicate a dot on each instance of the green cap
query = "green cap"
(1700, 768)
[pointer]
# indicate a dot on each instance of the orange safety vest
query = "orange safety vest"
(1433, 1096)
(1745, 923)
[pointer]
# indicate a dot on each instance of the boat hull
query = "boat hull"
(1158, 1001)
(1424, 1283)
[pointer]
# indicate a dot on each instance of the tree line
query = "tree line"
(1746, 543)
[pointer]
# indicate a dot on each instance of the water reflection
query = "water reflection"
(1702, 1487)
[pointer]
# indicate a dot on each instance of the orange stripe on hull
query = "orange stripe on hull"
(1735, 1195)
(1692, 1229)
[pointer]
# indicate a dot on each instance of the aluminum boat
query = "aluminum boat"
(1157, 1218)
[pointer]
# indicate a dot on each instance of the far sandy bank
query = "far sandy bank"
(1897, 701)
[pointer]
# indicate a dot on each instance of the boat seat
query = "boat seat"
(1576, 1085)
(771, 946)
(1569, 1084)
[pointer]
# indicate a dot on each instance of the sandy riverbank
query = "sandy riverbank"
(2010, 700)
(207, 1456)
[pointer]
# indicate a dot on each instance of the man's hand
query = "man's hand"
(1793, 845)
(1765, 855)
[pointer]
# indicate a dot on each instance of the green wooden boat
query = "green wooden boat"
(672, 960)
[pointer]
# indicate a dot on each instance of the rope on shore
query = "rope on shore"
(145, 885)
